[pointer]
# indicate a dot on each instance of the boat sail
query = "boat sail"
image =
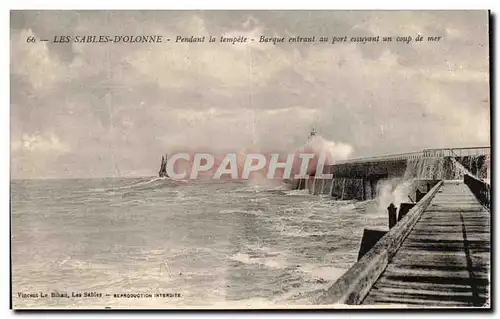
(163, 166)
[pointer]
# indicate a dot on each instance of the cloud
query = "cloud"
(295, 111)
(38, 156)
(34, 61)
(40, 144)
(224, 65)
(42, 68)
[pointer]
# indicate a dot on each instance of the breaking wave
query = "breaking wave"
(143, 184)
(270, 260)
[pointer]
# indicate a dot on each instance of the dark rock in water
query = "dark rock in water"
(271, 254)
(263, 255)
(276, 191)
(128, 194)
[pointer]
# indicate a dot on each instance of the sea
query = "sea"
(156, 243)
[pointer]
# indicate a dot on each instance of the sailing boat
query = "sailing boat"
(163, 166)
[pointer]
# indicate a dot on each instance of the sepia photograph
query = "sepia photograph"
(237, 159)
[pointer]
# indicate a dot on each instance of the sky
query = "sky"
(102, 110)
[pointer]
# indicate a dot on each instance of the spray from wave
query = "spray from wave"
(392, 191)
(317, 146)
(319, 152)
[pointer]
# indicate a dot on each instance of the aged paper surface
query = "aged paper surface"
(250, 159)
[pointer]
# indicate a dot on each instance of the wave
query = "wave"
(326, 273)
(313, 281)
(270, 260)
(297, 192)
(143, 184)
(262, 256)
(241, 211)
(254, 187)
(300, 232)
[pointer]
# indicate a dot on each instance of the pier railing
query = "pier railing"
(355, 284)
(431, 152)
(480, 189)
(457, 152)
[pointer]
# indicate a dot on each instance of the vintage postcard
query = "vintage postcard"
(250, 159)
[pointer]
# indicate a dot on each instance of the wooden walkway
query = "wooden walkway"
(445, 259)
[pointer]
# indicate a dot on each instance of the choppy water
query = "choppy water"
(217, 244)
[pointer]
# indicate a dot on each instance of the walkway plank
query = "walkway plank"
(445, 260)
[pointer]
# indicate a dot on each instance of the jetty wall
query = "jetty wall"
(363, 180)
